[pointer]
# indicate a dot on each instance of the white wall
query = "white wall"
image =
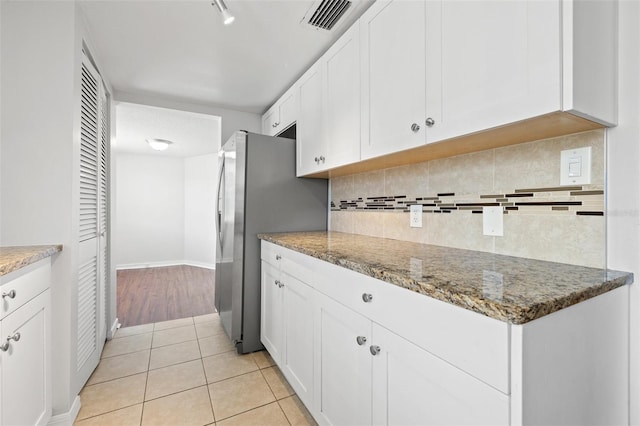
(231, 120)
(41, 57)
(623, 189)
(200, 210)
(165, 212)
(150, 210)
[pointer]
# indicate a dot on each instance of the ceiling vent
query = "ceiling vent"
(325, 14)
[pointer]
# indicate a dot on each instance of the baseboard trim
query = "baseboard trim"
(200, 264)
(67, 419)
(165, 263)
(114, 327)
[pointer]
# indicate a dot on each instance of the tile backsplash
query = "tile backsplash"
(542, 220)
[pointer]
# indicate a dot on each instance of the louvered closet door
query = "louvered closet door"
(93, 181)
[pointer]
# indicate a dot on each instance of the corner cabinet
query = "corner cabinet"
(360, 351)
(282, 114)
(25, 346)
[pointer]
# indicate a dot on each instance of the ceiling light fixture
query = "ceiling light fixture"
(227, 17)
(159, 144)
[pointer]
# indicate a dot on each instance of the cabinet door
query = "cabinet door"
(269, 120)
(25, 366)
(342, 108)
(271, 320)
(393, 76)
(343, 367)
(413, 387)
(490, 63)
(310, 128)
(288, 107)
(297, 356)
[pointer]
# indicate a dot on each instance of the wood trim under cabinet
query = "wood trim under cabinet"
(543, 127)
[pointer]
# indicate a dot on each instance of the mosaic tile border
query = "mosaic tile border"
(578, 200)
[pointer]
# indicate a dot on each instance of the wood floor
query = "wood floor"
(151, 295)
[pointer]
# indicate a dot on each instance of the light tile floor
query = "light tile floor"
(186, 372)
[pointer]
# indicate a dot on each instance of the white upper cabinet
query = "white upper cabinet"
(411, 73)
(589, 59)
(393, 76)
(342, 107)
(310, 146)
(328, 129)
(282, 114)
(490, 63)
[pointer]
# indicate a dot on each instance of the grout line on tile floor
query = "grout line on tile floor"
(108, 412)
(283, 412)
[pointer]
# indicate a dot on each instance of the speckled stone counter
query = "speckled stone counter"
(511, 289)
(14, 258)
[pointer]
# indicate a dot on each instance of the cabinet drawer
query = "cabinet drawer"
(293, 263)
(27, 283)
(472, 342)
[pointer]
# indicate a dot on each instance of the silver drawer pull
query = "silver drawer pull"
(10, 295)
(280, 284)
(5, 347)
(278, 257)
(361, 340)
(277, 282)
(374, 349)
(367, 297)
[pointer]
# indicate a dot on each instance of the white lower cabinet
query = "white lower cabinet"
(271, 331)
(413, 387)
(297, 356)
(25, 347)
(287, 321)
(349, 369)
(359, 351)
(342, 365)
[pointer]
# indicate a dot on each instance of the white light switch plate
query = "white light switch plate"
(415, 216)
(575, 166)
(492, 221)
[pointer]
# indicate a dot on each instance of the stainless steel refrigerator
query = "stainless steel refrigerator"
(257, 192)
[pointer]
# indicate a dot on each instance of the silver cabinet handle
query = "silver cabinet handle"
(429, 122)
(278, 257)
(277, 282)
(11, 294)
(361, 340)
(367, 297)
(280, 284)
(317, 160)
(415, 127)
(374, 349)
(5, 346)
(322, 159)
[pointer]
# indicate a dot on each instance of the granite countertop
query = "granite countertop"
(16, 257)
(511, 289)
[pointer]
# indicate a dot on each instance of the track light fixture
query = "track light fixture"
(227, 17)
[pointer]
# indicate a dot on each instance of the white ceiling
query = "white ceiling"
(180, 50)
(192, 134)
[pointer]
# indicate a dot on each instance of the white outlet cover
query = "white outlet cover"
(575, 166)
(415, 216)
(492, 221)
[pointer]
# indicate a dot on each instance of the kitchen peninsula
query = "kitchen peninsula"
(438, 335)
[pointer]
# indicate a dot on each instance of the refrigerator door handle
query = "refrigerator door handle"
(220, 188)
